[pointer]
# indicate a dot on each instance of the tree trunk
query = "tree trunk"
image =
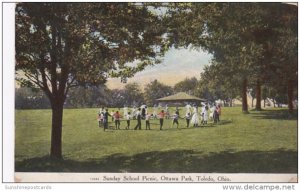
(290, 92)
(252, 102)
(274, 102)
(244, 97)
(258, 96)
(264, 103)
(56, 133)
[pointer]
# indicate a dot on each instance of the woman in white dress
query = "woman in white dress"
(195, 117)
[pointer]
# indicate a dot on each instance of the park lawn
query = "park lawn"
(259, 142)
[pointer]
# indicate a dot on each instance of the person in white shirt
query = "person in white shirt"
(128, 117)
(147, 118)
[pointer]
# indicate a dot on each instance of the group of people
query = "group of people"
(192, 116)
(207, 112)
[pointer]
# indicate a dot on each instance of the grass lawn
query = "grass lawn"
(259, 142)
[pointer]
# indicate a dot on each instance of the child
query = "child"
(216, 115)
(128, 120)
(175, 118)
(147, 117)
(161, 116)
(112, 115)
(99, 119)
(188, 118)
(117, 117)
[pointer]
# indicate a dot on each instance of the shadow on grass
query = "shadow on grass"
(281, 114)
(173, 161)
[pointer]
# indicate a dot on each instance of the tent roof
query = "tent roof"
(181, 96)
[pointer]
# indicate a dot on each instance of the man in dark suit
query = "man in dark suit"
(105, 119)
(139, 118)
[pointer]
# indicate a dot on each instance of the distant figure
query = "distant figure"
(105, 119)
(188, 118)
(100, 119)
(195, 117)
(127, 117)
(219, 112)
(101, 110)
(175, 118)
(216, 114)
(166, 111)
(148, 116)
(154, 114)
(138, 117)
(117, 117)
(112, 115)
(205, 115)
(161, 116)
(143, 112)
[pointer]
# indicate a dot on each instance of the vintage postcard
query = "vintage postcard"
(193, 92)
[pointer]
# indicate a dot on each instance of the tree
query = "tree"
(88, 96)
(61, 45)
(155, 90)
(187, 85)
(133, 94)
(219, 82)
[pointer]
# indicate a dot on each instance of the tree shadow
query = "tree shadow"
(173, 161)
(280, 114)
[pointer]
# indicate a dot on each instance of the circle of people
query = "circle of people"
(141, 113)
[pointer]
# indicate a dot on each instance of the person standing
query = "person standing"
(127, 117)
(117, 117)
(143, 113)
(105, 119)
(112, 115)
(161, 116)
(216, 114)
(175, 118)
(188, 118)
(195, 117)
(139, 118)
(147, 121)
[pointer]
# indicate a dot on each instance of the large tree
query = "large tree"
(60, 45)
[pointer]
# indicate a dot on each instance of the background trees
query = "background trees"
(155, 90)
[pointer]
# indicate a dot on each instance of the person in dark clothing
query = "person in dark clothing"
(175, 118)
(139, 118)
(105, 119)
(143, 113)
(188, 118)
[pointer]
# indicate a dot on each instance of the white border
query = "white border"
(8, 94)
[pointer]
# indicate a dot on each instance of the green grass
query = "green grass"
(259, 142)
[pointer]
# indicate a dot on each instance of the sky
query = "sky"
(177, 65)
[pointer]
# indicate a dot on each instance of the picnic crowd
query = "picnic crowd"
(141, 113)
